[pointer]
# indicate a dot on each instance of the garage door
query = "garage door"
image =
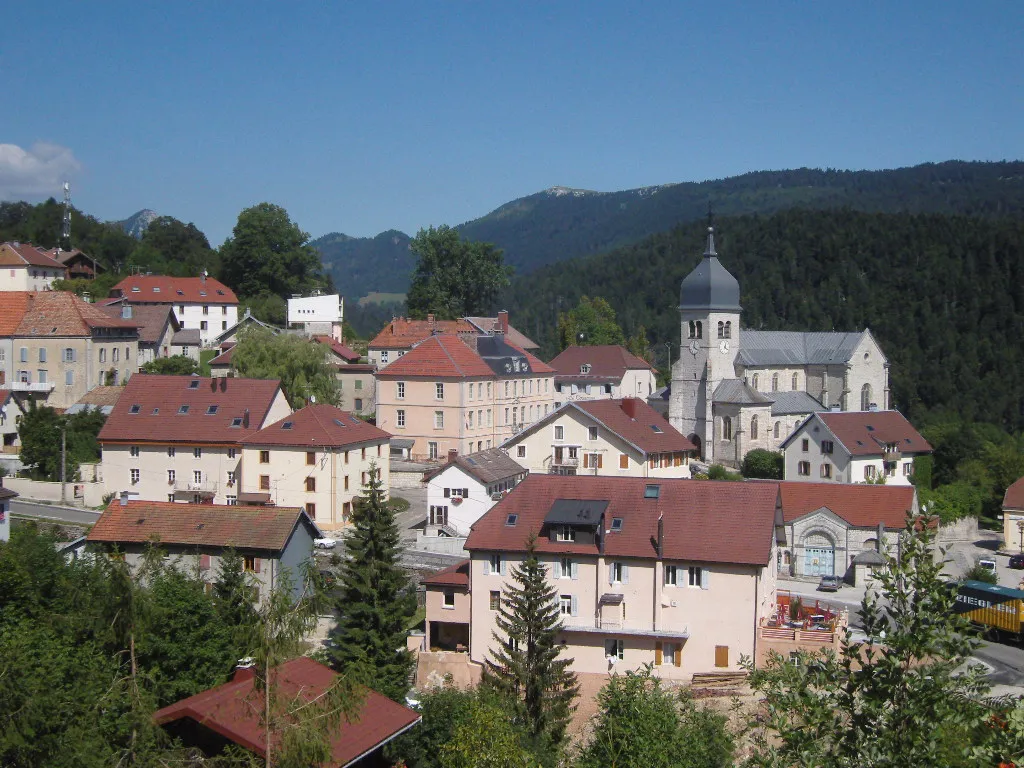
(819, 562)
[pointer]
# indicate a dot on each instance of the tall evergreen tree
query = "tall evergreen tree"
(525, 665)
(376, 602)
(233, 594)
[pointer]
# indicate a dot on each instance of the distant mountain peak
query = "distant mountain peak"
(562, 191)
(136, 224)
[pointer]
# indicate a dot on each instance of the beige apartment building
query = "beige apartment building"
(318, 458)
(611, 438)
(463, 394)
(25, 267)
(179, 438)
(602, 372)
(674, 573)
(57, 347)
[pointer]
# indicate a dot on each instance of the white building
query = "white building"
(319, 314)
(608, 372)
(199, 303)
(24, 267)
(461, 491)
(854, 447)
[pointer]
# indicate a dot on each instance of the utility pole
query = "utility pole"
(668, 348)
(63, 461)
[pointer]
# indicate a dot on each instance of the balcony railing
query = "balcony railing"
(31, 386)
(192, 486)
(565, 461)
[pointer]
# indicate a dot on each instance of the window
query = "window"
(495, 600)
(359, 384)
(359, 401)
(613, 649)
(439, 514)
(775, 382)
(826, 471)
(520, 451)
(721, 329)
(804, 468)
(42, 354)
(170, 451)
(728, 329)
(470, 419)
(489, 395)
(700, 329)
(438, 419)
(103, 355)
(116, 355)
(494, 564)
(869, 472)
(310, 458)
(567, 604)
(202, 325)
(697, 577)
(591, 433)
(224, 325)
(384, 356)
(449, 599)
(623, 461)
(754, 381)
(135, 476)
(439, 391)
(183, 410)
(908, 468)
(670, 576)
(311, 510)
(197, 476)
(432, 450)
(197, 453)
(310, 484)
(134, 451)
(346, 482)
(565, 533)
(865, 397)
(775, 430)
(400, 390)
(652, 491)
(232, 453)
(264, 482)
(826, 446)
(796, 382)
(24, 355)
(264, 457)
(181, 309)
(669, 654)
(251, 564)
(805, 445)
(618, 573)
(616, 524)
(211, 410)
(231, 477)
(726, 428)
(470, 391)
(400, 418)
(753, 427)
(127, 353)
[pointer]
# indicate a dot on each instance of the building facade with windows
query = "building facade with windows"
(611, 438)
(199, 303)
(318, 458)
(608, 372)
(854, 447)
(157, 327)
(726, 380)
(179, 438)
(194, 538)
(673, 573)
(24, 267)
(461, 491)
(467, 395)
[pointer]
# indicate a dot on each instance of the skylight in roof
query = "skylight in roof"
(656, 428)
(135, 289)
(511, 520)
(616, 523)
(202, 293)
(156, 289)
(338, 422)
(652, 491)
(236, 422)
(288, 425)
(220, 292)
(471, 462)
(907, 439)
(194, 384)
(211, 409)
(870, 428)
(156, 411)
(135, 408)
(180, 292)
(183, 409)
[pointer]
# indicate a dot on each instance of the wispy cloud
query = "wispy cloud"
(36, 172)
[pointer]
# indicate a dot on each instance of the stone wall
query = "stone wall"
(965, 529)
(76, 494)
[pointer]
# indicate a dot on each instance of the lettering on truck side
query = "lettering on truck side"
(979, 603)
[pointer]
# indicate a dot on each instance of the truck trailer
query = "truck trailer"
(1000, 609)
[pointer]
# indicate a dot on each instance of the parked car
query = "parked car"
(1017, 561)
(828, 584)
(988, 564)
(325, 543)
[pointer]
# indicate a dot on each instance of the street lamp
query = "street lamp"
(1020, 527)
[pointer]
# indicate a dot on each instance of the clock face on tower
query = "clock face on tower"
(724, 346)
(693, 347)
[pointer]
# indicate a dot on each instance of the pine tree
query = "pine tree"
(233, 594)
(376, 602)
(525, 666)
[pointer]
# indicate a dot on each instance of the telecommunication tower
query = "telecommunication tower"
(65, 232)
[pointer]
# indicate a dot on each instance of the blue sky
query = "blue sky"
(359, 117)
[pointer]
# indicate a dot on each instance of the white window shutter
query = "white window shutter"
(575, 571)
(503, 569)
(625, 574)
(575, 606)
(705, 581)
(74, 355)
(611, 573)
(487, 566)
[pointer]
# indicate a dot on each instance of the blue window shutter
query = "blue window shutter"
(705, 581)
(575, 606)
(503, 568)
(575, 570)
(487, 566)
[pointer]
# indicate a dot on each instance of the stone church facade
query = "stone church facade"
(735, 390)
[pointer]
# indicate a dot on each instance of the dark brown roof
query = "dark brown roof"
(26, 254)
(318, 426)
(223, 359)
(161, 289)
(227, 710)
(454, 576)
(490, 466)
(212, 407)
(187, 336)
(704, 520)
(7, 493)
(200, 525)
(152, 319)
(864, 433)
(62, 313)
(605, 361)
(1014, 496)
(862, 506)
(338, 348)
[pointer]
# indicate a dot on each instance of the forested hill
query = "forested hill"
(561, 223)
(943, 294)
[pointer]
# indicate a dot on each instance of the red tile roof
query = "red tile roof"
(454, 576)
(201, 525)
(152, 319)
(160, 398)
(862, 506)
(227, 710)
(513, 336)
(447, 356)
(634, 420)
(223, 359)
(1014, 496)
(12, 310)
(401, 333)
(704, 521)
(605, 361)
(26, 254)
(62, 313)
(161, 289)
(338, 348)
(100, 396)
(318, 426)
(864, 433)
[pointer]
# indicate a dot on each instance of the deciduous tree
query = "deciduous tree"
(763, 464)
(177, 365)
(589, 323)
(299, 363)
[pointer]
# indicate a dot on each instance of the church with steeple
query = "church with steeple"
(736, 389)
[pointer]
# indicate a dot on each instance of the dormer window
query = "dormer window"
(194, 384)
(652, 491)
(616, 524)
(565, 533)
(585, 368)
(511, 520)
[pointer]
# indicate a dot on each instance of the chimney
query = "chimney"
(245, 669)
(126, 311)
(872, 406)
(452, 453)
(202, 276)
(245, 419)
(430, 318)
(503, 321)
(223, 383)
(124, 498)
(629, 406)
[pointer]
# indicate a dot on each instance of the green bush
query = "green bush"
(977, 573)
(763, 464)
(718, 472)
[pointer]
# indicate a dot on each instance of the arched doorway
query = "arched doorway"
(819, 554)
(696, 440)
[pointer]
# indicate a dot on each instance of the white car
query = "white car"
(325, 543)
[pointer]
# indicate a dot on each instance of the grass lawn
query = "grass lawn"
(205, 356)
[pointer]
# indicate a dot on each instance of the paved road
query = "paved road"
(55, 513)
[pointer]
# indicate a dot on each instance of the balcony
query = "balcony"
(31, 386)
(565, 461)
(204, 487)
(596, 626)
(891, 455)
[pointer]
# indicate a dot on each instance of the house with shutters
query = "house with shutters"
(318, 458)
(157, 328)
(669, 572)
(272, 541)
(1013, 517)
(179, 438)
(199, 303)
(604, 372)
(25, 267)
(466, 487)
(612, 438)
(854, 447)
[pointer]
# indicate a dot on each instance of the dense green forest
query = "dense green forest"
(943, 294)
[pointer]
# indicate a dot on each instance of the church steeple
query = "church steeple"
(710, 287)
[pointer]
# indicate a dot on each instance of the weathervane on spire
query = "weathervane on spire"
(710, 251)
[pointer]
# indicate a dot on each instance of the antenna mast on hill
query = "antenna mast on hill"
(65, 231)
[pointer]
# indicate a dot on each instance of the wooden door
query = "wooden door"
(721, 655)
